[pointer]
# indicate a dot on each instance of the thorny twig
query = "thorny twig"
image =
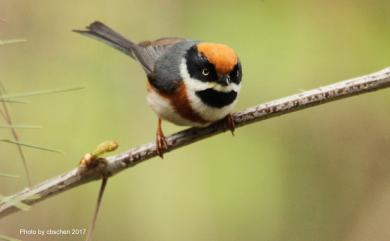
(133, 156)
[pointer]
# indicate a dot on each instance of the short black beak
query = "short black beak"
(224, 80)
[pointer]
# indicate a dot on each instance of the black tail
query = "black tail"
(105, 34)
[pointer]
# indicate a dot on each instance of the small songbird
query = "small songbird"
(190, 83)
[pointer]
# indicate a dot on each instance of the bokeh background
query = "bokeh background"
(318, 174)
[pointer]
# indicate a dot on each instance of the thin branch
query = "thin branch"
(6, 238)
(98, 204)
(8, 175)
(8, 118)
(13, 101)
(42, 148)
(39, 92)
(12, 41)
(134, 156)
(18, 126)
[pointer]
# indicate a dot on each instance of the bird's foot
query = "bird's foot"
(161, 142)
(229, 121)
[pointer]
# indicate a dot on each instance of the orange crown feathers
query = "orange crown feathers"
(222, 56)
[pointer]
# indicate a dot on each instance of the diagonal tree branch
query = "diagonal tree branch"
(134, 156)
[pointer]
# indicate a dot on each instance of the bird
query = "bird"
(189, 82)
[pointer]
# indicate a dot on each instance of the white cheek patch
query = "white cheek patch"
(208, 113)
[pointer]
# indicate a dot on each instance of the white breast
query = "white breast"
(163, 108)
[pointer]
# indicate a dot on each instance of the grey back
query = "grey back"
(166, 72)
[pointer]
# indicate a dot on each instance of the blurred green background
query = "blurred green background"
(317, 174)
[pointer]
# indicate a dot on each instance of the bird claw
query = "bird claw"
(161, 144)
(229, 121)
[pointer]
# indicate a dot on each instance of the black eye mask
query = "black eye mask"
(236, 73)
(196, 63)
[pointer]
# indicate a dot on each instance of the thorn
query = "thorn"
(97, 208)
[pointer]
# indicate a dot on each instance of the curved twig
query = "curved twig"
(133, 156)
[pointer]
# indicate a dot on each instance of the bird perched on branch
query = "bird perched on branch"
(190, 83)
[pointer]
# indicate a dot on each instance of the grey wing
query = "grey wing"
(146, 52)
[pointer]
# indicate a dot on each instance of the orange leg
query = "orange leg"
(230, 123)
(161, 142)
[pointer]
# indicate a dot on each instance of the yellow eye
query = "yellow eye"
(205, 72)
